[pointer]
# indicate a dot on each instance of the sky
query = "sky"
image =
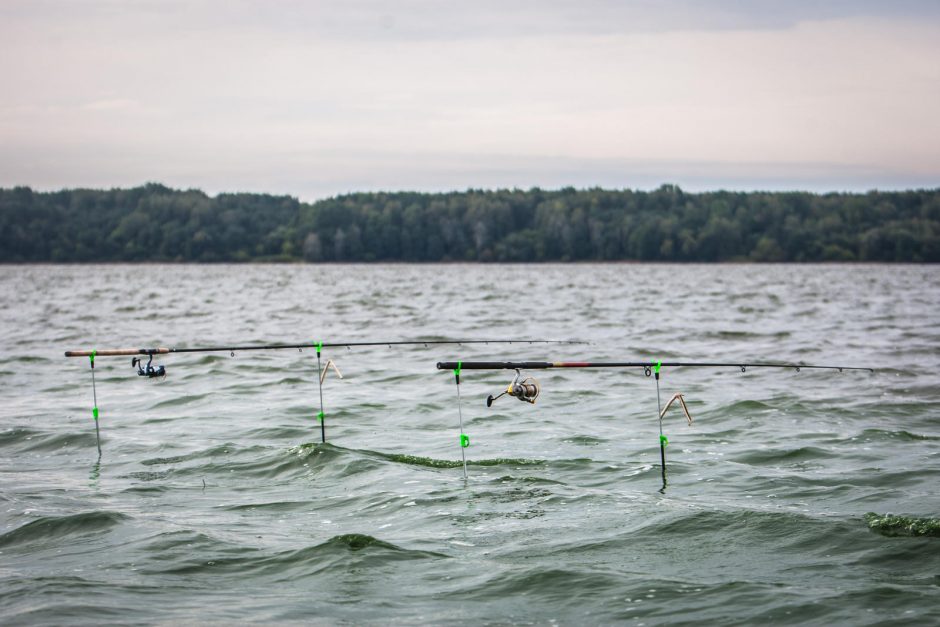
(315, 99)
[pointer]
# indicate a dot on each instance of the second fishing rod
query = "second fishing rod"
(528, 389)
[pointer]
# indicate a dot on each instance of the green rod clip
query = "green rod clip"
(464, 440)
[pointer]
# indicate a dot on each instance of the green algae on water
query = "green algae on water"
(892, 526)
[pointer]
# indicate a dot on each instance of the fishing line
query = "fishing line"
(321, 416)
(94, 393)
(321, 376)
(464, 438)
(662, 439)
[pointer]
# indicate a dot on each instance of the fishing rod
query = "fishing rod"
(122, 352)
(528, 389)
(150, 371)
(647, 365)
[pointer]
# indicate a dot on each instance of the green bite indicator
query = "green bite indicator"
(464, 440)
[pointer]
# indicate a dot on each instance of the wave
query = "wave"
(551, 584)
(54, 527)
(340, 553)
(527, 480)
(786, 532)
(222, 449)
(766, 457)
(270, 462)
(744, 335)
(747, 406)
(884, 434)
(802, 485)
(259, 462)
(36, 440)
(180, 400)
(411, 460)
(585, 440)
(429, 462)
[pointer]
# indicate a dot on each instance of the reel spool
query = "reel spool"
(148, 371)
(527, 390)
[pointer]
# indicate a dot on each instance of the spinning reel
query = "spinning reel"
(525, 390)
(148, 370)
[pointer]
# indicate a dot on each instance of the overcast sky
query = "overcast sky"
(315, 99)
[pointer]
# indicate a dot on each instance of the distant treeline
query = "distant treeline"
(155, 223)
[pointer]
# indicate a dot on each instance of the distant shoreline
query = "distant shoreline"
(156, 224)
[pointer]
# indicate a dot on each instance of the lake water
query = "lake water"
(794, 497)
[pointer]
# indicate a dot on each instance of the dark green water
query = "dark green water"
(810, 497)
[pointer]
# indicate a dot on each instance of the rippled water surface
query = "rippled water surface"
(795, 497)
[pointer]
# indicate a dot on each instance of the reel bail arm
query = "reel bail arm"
(527, 390)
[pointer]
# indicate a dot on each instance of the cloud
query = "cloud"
(112, 104)
(306, 100)
(443, 20)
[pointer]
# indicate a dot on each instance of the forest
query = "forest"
(154, 223)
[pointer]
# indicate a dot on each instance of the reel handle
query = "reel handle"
(491, 398)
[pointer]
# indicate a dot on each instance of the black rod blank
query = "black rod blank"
(545, 365)
(267, 347)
